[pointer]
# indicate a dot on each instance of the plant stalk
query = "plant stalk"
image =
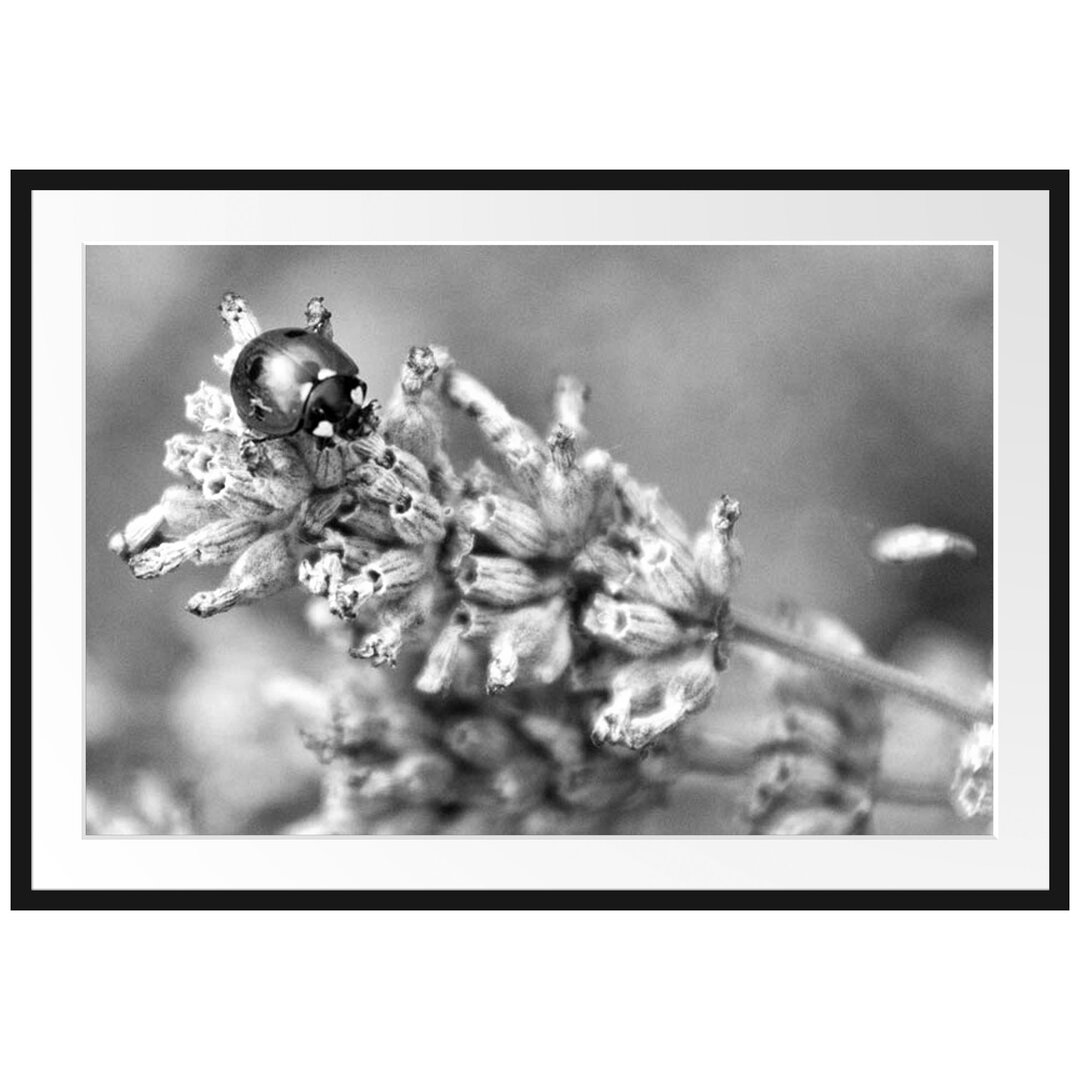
(750, 628)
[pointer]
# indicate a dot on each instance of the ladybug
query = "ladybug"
(290, 380)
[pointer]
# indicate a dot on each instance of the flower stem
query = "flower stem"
(753, 629)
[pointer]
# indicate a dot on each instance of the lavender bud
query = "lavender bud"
(665, 576)
(596, 784)
(562, 446)
(388, 577)
(638, 629)
(382, 646)
(479, 622)
(596, 467)
(513, 526)
(241, 323)
(809, 729)
(520, 783)
(480, 479)
(562, 740)
(380, 485)
(318, 510)
(185, 510)
(500, 581)
(568, 405)
(371, 447)
(369, 520)
(364, 723)
(422, 777)
(418, 518)
(345, 806)
(327, 465)
(355, 551)
(717, 554)
(483, 742)
(318, 315)
(215, 543)
(597, 464)
(514, 442)
(369, 790)
(458, 544)
(972, 788)
(611, 558)
(239, 497)
(612, 721)
(408, 468)
(323, 576)
(139, 533)
(821, 820)
(917, 543)
(438, 671)
(565, 495)
(792, 778)
(530, 645)
(683, 686)
(186, 456)
(395, 620)
(278, 458)
(212, 409)
(266, 566)
(412, 419)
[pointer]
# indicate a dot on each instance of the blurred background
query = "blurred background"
(833, 390)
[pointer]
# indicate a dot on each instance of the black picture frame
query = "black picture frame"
(24, 183)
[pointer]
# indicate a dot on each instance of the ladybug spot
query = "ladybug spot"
(295, 333)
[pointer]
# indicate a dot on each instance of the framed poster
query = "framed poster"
(561, 539)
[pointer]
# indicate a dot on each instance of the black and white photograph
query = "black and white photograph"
(540, 539)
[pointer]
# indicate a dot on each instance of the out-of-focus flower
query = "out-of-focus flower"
(394, 765)
(817, 764)
(234, 714)
(972, 788)
(145, 805)
(921, 771)
(918, 543)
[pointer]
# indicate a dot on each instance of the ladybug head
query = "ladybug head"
(338, 405)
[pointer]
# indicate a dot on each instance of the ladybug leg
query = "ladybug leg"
(369, 419)
(362, 420)
(250, 447)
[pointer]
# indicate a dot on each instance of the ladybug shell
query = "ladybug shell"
(276, 372)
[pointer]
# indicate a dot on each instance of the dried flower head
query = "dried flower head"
(548, 619)
(817, 767)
